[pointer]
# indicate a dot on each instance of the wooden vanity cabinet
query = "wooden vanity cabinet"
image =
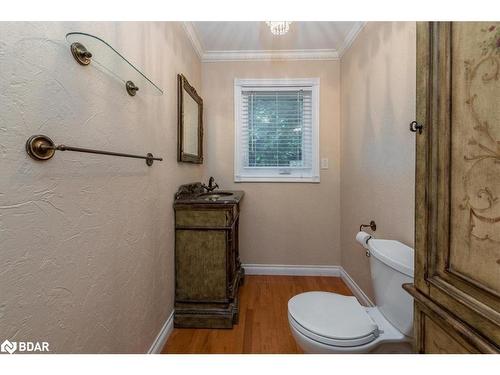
(208, 270)
(457, 222)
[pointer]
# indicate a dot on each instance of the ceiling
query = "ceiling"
(221, 41)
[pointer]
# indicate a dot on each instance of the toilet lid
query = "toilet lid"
(332, 316)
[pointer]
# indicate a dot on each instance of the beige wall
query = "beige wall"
(281, 223)
(87, 245)
(377, 161)
(86, 241)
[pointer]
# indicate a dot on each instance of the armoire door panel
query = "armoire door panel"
(474, 251)
(458, 171)
(467, 189)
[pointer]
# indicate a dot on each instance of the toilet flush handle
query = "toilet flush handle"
(367, 253)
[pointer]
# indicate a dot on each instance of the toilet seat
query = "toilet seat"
(332, 319)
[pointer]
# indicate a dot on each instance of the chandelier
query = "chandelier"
(279, 27)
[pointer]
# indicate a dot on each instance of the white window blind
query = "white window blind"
(276, 132)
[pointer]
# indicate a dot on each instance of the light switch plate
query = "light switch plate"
(324, 163)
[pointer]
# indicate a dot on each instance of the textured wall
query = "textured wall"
(86, 241)
(378, 150)
(281, 223)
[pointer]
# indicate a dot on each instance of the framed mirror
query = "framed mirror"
(190, 123)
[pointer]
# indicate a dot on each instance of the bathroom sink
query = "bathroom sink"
(194, 194)
(222, 193)
(214, 196)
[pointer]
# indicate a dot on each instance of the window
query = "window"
(277, 130)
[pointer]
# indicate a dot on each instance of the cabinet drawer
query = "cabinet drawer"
(437, 330)
(438, 341)
(203, 218)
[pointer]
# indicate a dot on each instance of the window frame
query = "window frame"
(312, 84)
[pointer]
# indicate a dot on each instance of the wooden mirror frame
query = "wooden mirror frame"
(182, 87)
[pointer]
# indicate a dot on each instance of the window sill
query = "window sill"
(278, 179)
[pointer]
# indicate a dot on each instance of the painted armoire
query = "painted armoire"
(457, 233)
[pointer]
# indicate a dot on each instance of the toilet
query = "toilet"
(324, 322)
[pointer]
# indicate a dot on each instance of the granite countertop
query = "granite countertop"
(215, 197)
(195, 194)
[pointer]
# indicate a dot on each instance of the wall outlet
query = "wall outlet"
(324, 163)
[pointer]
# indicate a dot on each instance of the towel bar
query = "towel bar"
(41, 147)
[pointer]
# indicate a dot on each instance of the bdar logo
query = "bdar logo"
(24, 346)
(8, 347)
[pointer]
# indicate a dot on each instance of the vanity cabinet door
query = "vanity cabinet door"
(458, 175)
(200, 262)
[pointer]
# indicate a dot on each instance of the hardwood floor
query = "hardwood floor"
(263, 324)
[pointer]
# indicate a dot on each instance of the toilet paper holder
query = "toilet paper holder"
(372, 226)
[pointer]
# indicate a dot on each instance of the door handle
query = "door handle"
(415, 126)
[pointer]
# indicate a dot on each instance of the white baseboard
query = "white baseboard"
(355, 289)
(291, 270)
(300, 270)
(163, 335)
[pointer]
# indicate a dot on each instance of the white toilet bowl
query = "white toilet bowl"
(348, 328)
(323, 322)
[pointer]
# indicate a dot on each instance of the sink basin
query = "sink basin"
(221, 193)
(192, 195)
(214, 196)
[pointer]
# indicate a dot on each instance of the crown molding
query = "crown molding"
(351, 37)
(269, 55)
(193, 37)
(263, 55)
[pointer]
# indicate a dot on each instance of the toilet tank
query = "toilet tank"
(391, 266)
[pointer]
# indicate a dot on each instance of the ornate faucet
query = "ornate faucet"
(212, 185)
